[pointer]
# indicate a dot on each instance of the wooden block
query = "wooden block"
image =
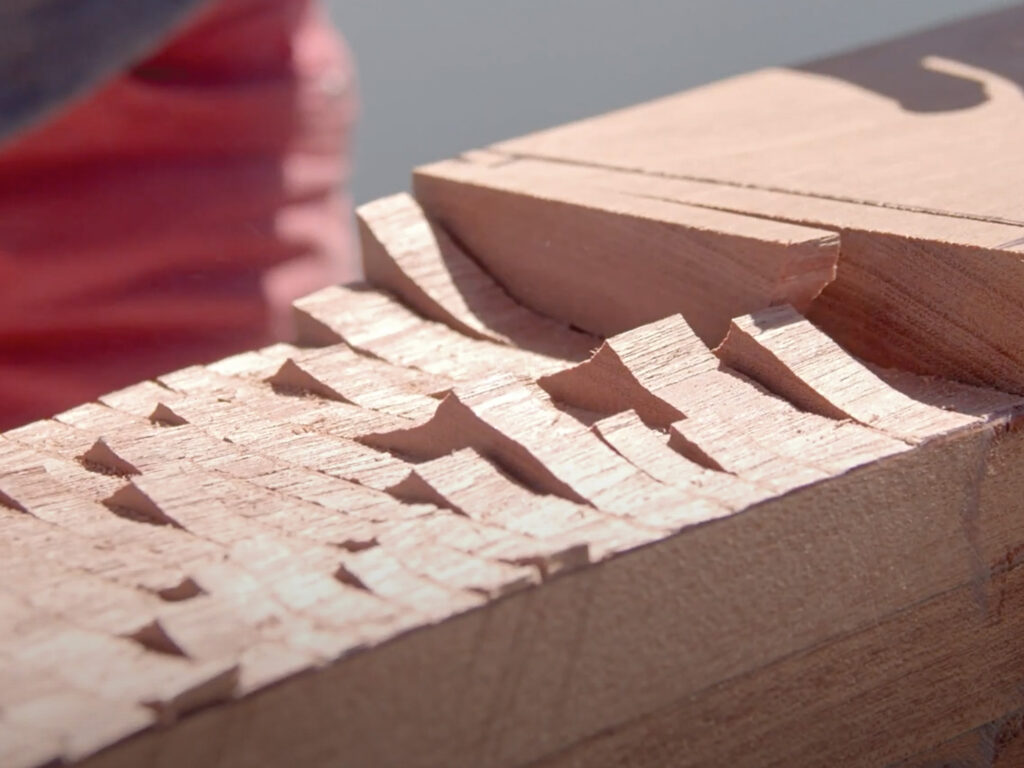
(569, 249)
(603, 671)
(777, 632)
(342, 568)
(477, 536)
(929, 106)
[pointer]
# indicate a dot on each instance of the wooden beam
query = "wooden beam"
(453, 529)
(345, 569)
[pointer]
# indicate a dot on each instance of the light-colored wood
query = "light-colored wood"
(907, 258)
(449, 530)
(718, 418)
(376, 324)
(469, 484)
(841, 711)
(602, 671)
(913, 115)
(905, 151)
(405, 253)
(273, 530)
(582, 252)
(269, 527)
(786, 353)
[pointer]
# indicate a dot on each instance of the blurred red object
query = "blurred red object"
(171, 217)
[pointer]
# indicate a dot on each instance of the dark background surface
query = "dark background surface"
(444, 76)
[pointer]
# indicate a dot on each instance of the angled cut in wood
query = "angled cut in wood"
(907, 151)
(606, 466)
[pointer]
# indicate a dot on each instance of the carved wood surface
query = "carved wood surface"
(603, 466)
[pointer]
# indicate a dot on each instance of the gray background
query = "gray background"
(445, 76)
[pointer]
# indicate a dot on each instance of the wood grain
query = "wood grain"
(299, 546)
(902, 150)
(504, 505)
(583, 253)
(406, 253)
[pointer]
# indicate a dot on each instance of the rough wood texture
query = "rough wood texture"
(786, 353)
(246, 554)
(376, 324)
(451, 530)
